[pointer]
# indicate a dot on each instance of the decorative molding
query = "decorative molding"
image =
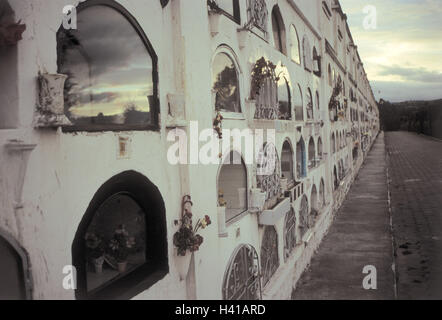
(20, 151)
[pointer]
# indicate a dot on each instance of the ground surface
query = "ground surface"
(359, 236)
(415, 170)
(361, 232)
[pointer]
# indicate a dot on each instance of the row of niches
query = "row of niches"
(274, 178)
(249, 273)
(272, 96)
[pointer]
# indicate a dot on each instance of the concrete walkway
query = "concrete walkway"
(415, 170)
(359, 236)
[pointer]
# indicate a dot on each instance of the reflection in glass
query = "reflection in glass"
(287, 161)
(299, 107)
(285, 107)
(110, 70)
(294, 40)
(226, 5)
(225, 84)
(115, 241)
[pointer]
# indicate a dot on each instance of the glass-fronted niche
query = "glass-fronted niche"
(111, 68)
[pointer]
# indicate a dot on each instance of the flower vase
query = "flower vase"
(122, 266)
(182, 263)
(98, 265)
(221, 213)
(50, 111)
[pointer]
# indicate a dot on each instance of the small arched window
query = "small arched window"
(287, 162)
(232, 185)
(284, 99)
(330, 76)
(112, 74)
(278, 30)
(307, 54)
(322, 194)
(314, 204)
(225, 84)
(121, 240)
(335, 179)
(338, 141)
(269, 254)
(310, 109)
(320, 149)
(311, 153)
(299, 105)
(316, 63)
(318, 106)
(301, 159)
(294, 45)
(14, 270)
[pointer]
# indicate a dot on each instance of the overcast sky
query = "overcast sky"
(403, 55)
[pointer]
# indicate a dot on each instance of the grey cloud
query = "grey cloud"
(412, 74)
(402, 91)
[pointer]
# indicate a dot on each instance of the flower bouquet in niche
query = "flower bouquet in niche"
(120, 247)
(95, 248)
(186, 239)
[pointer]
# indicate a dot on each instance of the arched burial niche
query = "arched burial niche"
(112, 70)
(299, 104)
(225, 83)
(125, 224)
(284, 98)
(278, 30)
(333, 143)
(301, 159)
(310, 108)
(287, 162)
(311, 153)
(232, 184)
(269, 254)
(15, 279)
(320, 150)
(294, 45)
(304, 220)
(242, 276)
(268, 174)
(322, 194)
(289, 233)
(314, 204)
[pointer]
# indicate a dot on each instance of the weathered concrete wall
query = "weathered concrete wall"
(64, 170)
